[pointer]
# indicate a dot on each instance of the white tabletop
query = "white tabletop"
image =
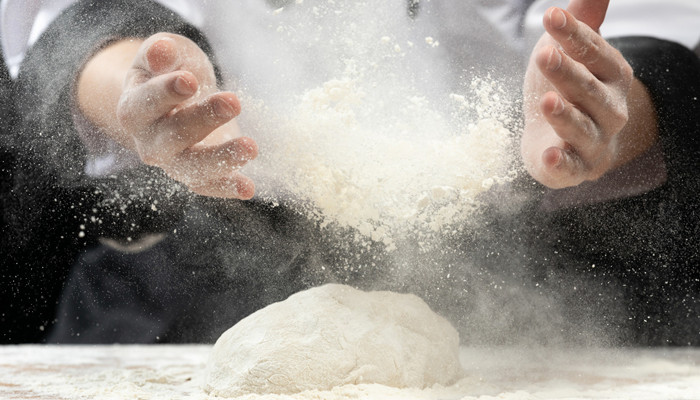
(177, 372)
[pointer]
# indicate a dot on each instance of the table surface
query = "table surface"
(178, 371)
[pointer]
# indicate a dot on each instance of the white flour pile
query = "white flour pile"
(332, 336)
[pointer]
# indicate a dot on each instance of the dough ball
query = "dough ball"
(335, 335)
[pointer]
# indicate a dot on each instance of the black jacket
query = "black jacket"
(625, 271)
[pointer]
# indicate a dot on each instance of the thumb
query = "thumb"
(590, 12)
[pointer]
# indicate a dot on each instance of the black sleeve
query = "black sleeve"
(137, 201)
(649, 243)
(671, 74)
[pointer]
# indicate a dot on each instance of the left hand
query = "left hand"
(577, 92)
(178, 120)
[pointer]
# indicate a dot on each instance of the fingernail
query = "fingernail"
(554, 60)
(557, 18)
(558, 107)
(559, 160)
(552, 157)
(183, 87)
(223, 109)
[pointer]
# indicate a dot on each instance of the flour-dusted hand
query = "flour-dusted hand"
(169, 110)
(580, 97)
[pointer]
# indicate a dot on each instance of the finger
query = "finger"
(237, 186)
(201, 163)
(581, 88)
(190, 125)
(162, 56)
(586, 46)
(142, 105)
(563, 167)
(570, 124)
(213, 170)
(590, 12)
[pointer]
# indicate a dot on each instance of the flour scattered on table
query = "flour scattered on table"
(331, 336)
(175, 372)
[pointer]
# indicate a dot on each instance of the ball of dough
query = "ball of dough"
(335, 335)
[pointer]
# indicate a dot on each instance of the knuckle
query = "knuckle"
(593, 131)
(621, 116)
(591, 85)
(626, 73)
(618, 115)
(590, 53)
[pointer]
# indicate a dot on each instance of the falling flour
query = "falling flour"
(363, 126)
(382, 173)
(331, 336)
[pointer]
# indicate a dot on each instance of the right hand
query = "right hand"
(580, 92)
(178, 119)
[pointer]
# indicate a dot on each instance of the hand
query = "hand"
(178, 120)
(577, 92)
